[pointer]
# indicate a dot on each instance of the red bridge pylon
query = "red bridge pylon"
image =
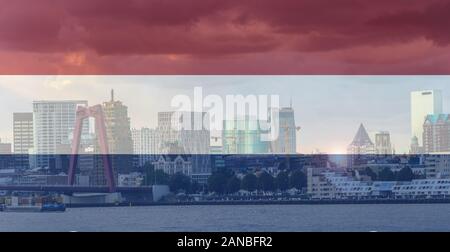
(100, 128)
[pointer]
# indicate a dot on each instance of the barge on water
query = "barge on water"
(57, 207)
(29, 205)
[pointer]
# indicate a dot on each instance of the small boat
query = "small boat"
(53, 207)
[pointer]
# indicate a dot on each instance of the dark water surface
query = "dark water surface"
(408, 217)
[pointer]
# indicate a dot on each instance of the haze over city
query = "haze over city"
(328, 109)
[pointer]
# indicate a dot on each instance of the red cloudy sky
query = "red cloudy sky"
(224, 37)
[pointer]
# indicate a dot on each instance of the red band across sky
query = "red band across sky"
(224, 37)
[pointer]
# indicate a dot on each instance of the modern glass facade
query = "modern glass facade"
(243, 136)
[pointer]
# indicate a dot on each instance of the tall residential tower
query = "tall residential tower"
(383, 144)
(436, 136)
(286, 143)
(423, 103)
(53, 124)
(23, 138)
(145, 144)
(120, 143)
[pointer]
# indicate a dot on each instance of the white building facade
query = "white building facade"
(338, 185)
(53, 124)
(172, 164)
(145, 144)
(23, 138)
(423, 103)
(286, 143)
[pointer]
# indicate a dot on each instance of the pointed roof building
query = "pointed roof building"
(361, 144)
(361, 137)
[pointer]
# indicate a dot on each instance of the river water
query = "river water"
(273, 218)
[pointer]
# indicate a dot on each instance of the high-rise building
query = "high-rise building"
(183, 132)
(436, 133)
(383, 143)
(145, 144)
(5, 148)
(87, 156)
(423, 103)
(360, 148)
(120, 143)
(361, 143)
(415, 148)
(286, 143)
(243, 136)
(53, 123)
(23, 138)
(179, 127)
(6, 160)
(118, 129)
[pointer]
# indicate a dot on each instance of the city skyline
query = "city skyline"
(381, 103)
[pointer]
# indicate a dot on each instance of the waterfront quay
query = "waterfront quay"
(268, 202)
